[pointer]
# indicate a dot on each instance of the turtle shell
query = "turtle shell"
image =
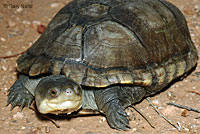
(103, 42)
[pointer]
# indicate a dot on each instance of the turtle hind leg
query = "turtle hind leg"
(108, 103)
(19, 95)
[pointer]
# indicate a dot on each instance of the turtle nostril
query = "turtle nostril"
(69, 92)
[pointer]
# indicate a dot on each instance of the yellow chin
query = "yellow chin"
(68, 107)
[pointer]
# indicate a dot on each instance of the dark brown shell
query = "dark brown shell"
(103, 42)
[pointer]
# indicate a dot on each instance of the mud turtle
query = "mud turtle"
(104, 55)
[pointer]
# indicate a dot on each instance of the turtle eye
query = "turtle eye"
(69, 92)
(54, 92)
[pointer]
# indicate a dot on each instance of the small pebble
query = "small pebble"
(104, 119)
(184, 113)
(155, 102)
(37, 22)
(193, 126)
(134, 129)
(3, 39)
(171, 95)
(3, 119)
(3, 68)
(26, 22)
(40, 29)
(47, 129)
(53, 5)
(18, 115)
(9, 53)
(193, 87)
(23, 127)
(130, 114)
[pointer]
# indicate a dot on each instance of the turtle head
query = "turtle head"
(58, 94)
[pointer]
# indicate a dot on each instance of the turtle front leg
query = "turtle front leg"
(21, 92)
(108, 103)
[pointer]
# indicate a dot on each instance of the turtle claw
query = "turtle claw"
(19, 96)
(117, 117)
(12, 107)
(23, 103)
(10, 99)
(29, 103)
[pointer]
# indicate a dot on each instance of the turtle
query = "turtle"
(104, 55)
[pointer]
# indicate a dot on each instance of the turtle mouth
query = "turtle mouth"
(67, 107)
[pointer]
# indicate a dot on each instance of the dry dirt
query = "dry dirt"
(18, 32)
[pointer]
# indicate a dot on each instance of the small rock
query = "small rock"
(193, 126)
(47, 129)
(184, 113)
(193, 87)
(36, 130)
(171, 95)
(1, 17)
(134, 129)
(40, 29)
(5, 88)
(23, 127)
(3, 68)
(37, 22)
(3, 39)
(53, 5)
(18, 115)
(3, 119)
(11, 24)
(102, 120)
(155, 102)
(9, 53)
(130, 114)
(25, 22)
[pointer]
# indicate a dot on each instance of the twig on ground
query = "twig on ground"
(197, 117)
(46, 117)
(194, 92)
(11, 56)
(184, 107)
(143, 115)
(169, 121)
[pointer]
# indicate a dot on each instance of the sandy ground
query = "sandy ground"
(18, 32)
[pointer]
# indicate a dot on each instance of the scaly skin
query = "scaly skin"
(57, 90)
